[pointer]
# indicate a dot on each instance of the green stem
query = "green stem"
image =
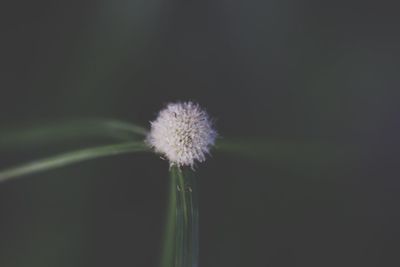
(185, 245)
(193, 217)
(181, 238)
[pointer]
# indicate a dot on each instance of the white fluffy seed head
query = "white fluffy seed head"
(183, 133)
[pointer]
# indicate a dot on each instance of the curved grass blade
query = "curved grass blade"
(71, 158)
(72, 130)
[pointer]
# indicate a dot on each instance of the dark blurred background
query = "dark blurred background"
(294, 73)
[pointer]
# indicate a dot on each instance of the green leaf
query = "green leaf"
(73, 130)
(71, 158)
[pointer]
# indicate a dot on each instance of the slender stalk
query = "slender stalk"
(70, 158)
(185, 246)
(191, 194)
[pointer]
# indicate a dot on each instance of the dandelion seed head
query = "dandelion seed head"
(183, 133)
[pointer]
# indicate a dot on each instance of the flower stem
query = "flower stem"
(182, 221)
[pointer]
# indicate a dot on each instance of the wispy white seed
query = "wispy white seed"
(183, 133)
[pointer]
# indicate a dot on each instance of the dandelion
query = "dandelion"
(183, 133)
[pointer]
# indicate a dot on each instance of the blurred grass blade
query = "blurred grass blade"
(282, 151)
(168, 249)
(71, 158)
(72, 130)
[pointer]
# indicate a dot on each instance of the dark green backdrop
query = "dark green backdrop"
(317, 80)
